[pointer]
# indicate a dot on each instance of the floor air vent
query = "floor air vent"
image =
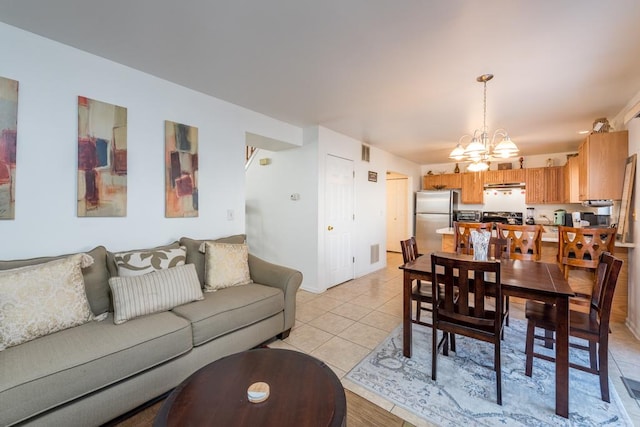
(375, 253)
(633, 387)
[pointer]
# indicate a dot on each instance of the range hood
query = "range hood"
(505, 186)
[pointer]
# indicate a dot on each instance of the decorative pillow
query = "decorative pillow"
(226, 264)
(136, 263)
(41, 299)
(135, 296)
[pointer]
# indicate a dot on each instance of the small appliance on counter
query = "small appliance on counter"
(559, 216)
(467, 216)
(511, 218)
(530, 217)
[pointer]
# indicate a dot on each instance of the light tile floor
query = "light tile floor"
(345, 323)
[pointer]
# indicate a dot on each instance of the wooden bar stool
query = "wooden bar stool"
(581, 247)
(526, 240)
(462, 235)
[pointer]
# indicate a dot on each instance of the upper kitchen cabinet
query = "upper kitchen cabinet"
(504, 176)
(472, 188)
(544, 185)
(602, 163)
(571, 180)
(441, 181)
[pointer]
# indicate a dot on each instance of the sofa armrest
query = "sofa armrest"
(285, 278)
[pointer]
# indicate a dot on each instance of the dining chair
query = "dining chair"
(581, 248)
(526, 240)
(461, 309)
(421, 292)
(592, 327)
(462, 235)
(499, 248)
(463, 245)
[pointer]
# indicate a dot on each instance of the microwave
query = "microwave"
(467, 216)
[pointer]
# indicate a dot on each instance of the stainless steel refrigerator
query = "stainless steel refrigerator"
(434, 210)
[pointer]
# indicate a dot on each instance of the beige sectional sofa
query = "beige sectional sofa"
(90, 374)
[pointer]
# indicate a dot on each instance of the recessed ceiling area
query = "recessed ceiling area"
(399, 76)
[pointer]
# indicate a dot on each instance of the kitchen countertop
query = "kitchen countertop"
(550, 234)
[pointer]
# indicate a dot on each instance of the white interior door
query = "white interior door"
(397, 216)
(339, 216)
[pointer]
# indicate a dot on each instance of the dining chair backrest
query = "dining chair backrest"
(499, 248)
(526, 240)
(462, 235)
(604, 287)
(581, 247)
(462, 298)
(409, 249)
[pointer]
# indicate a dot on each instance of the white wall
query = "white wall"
(293, 231)
(279, 229)
(51, 77)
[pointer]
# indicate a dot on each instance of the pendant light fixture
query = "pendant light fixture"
(481, 149)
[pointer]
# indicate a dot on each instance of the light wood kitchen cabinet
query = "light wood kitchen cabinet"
(472, 188)
(504, 176)
(572, 180)
(602, 163)
(545, 185)
(449, 180)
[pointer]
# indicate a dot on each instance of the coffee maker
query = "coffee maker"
(530, 218)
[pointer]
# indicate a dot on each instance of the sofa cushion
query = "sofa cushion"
(63, 366)
(96, 276)
(195, 257)
(135, 296)
(230, 309)
(40, 299)
(136, 263)
(112, 265)
(225, 264)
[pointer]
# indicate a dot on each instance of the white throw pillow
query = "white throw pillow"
(135, 296)
(41, 299)
(225, 265)
(136, 263)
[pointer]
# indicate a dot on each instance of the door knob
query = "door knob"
(330, 228)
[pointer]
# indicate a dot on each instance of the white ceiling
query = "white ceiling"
(399, 75)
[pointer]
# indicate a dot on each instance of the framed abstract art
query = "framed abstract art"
(181, 175)
(8, 145)
(102, 159)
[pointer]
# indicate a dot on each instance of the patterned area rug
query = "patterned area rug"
(465, 392)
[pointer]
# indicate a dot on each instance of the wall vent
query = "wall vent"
(366, 153)
(375, 253)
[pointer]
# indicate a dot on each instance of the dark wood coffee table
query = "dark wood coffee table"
(303, 392)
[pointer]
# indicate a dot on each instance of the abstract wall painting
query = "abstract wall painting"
(102, 159)
(8, 138)
(181, 176)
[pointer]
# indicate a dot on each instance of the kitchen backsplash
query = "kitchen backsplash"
(514, 201)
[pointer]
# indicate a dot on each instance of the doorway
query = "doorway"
(339, 219)
(397, 210)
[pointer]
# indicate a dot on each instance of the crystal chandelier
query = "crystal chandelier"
(481, 149)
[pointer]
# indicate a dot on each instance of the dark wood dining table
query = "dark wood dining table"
(524, 279)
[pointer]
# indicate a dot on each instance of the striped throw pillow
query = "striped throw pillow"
(135, 296)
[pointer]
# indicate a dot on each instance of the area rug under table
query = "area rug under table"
(465, 391)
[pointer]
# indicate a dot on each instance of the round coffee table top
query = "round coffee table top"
(303, 392)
